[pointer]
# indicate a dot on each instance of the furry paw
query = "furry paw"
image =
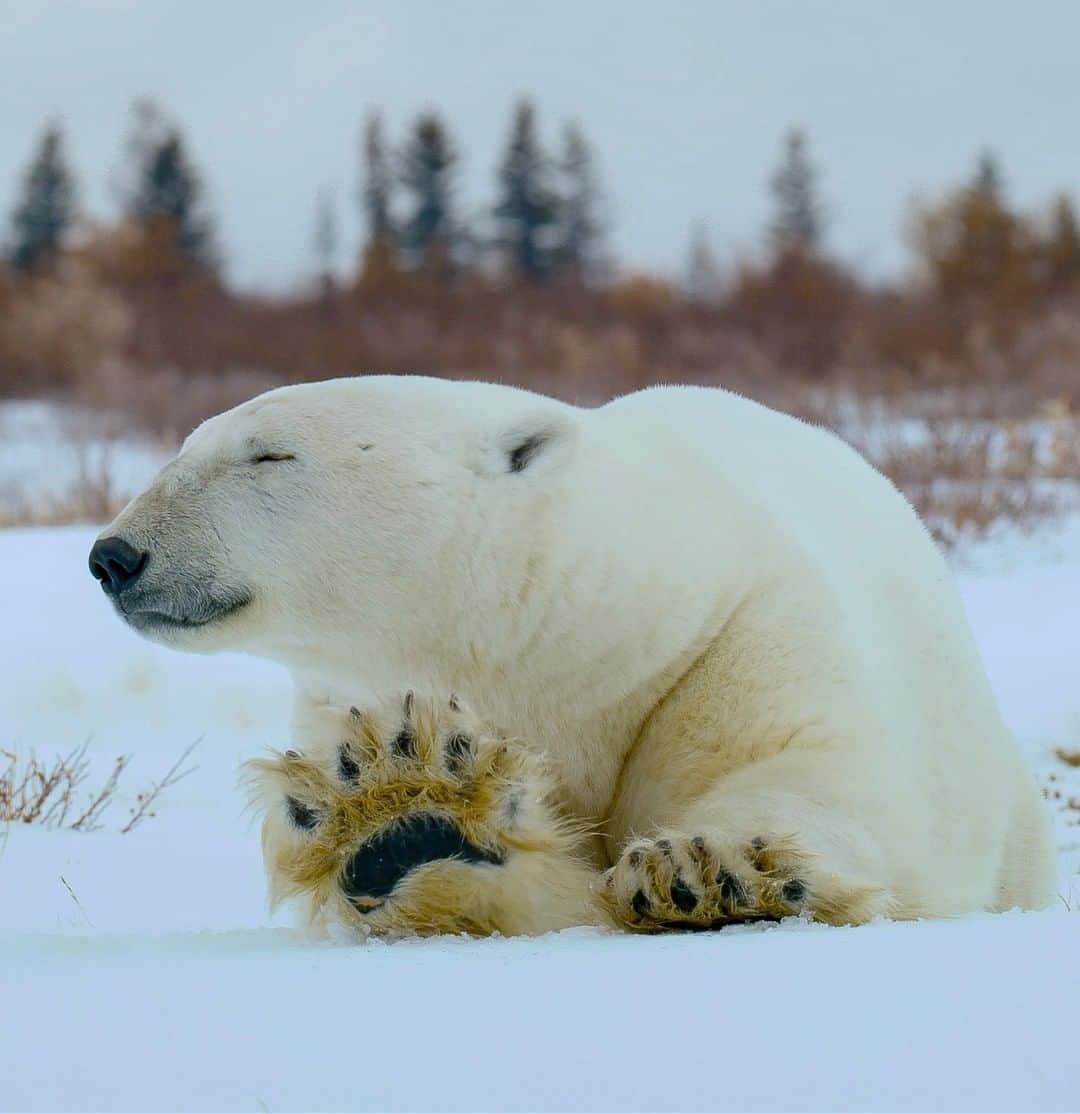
(403, 828)
(677, 881)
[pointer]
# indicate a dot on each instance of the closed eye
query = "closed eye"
(266, 458)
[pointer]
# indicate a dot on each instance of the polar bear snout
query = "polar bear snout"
(116, 564)
(163, 598)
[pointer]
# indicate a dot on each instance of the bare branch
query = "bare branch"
(177, 772)
(46, 793)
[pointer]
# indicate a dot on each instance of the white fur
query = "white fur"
(398, 550)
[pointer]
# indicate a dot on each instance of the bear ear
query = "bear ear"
(531, 445)
(523, 450)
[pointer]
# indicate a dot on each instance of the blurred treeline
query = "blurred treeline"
(137, 313)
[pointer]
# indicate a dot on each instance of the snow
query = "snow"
(141, 971)
(974, 1015)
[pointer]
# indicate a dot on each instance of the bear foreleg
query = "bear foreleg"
(772, 841)
(423, 821)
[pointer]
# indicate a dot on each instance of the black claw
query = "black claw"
(794, 891)
(641, 904)
(684, 898)
(302, 815)
(731, 889)
(458, 751)
(348, 767)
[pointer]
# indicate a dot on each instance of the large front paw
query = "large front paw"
(395, 830)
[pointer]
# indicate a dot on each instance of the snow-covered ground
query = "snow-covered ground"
(141, 971)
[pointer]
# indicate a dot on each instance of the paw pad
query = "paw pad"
(458, 749)
(348, 767)
(302, 815)
(684, 898)
(377, 866)
(794, 891)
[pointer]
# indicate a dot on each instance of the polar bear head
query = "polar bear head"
(380, 511)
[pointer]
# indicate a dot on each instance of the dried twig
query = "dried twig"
(87, 820)
(67, 886)
(176, 772)
(36, 792)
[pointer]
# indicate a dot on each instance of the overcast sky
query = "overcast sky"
(685, 103)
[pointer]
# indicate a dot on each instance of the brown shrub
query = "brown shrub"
(799, 307)
(54, 793)
(61, 328)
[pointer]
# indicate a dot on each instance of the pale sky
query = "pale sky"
(685, 103)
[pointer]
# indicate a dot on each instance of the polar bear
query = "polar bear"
(716, 669)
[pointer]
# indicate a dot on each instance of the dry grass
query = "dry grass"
(165, 403)
(963, 479)
(78, 504)
(91, 495)
(962, 464)
(57, 793)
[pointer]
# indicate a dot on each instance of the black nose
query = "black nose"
(116, 564)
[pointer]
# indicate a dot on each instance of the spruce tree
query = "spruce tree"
(987, 181)
(427, 168)
(798, 222)
(580, 219)
(45, 213)
(527, 208)
(1062, 248)
(377, 182)
(993, 250)
(702, 272)
(326, 241)
(976, 248)
(166, 189)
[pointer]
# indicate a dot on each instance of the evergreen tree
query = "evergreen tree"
(1062, 248)
(427, 169)
(988, 181)
(167, 191)
(377, 182)
(581, 222)
(975, 247)
(326, 241)
(702, 272)
(798, 222)
(44, 215)
(379, 262)
(527, 208)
